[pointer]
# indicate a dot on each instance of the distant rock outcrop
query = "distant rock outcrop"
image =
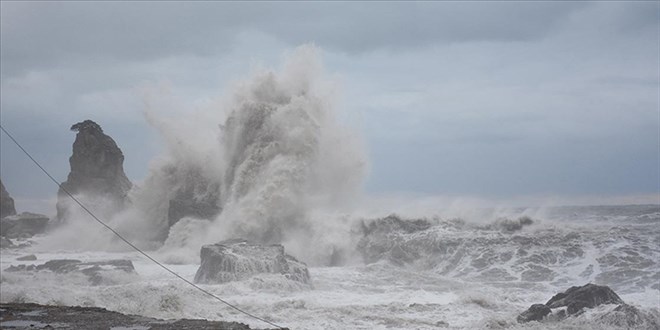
(390, 238)
(96, 169)
(237, 259)
(6, 202)
(33, 316)
(25, 224)
(587, 296)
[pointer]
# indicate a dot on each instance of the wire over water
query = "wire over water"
(131, 244)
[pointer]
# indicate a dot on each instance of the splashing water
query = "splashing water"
(270, 162)
(275, 154)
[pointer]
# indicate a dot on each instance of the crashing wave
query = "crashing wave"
(276, 153)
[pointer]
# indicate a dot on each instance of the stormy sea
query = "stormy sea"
(272, 164)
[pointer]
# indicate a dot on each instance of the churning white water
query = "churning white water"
(467, 276)
(281, 167)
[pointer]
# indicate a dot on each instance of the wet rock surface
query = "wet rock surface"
(96, 169)
(25, 224)
(238, 259)
(6, 202)
(33, 316)
(97, 272)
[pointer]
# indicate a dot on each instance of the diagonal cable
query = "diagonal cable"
(131, 244)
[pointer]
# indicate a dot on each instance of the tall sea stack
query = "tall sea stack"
(6, 203)
(97, 172)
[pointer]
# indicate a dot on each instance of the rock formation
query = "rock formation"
(96, 170)
(238, 259)
(6, 202)
(25, 224)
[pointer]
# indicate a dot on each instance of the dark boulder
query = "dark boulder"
(578, 297)
(97, 169)
(238, 259)
(6, 202)
(25, 224)
(575, 299)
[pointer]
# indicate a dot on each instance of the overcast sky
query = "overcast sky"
(488, 99)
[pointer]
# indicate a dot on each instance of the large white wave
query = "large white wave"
(269, 154)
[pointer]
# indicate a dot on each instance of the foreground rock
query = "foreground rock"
(97, 170)
(6, 202)
(577, 299)
(33, 316)
(97, 272)
(238, 259)
(25, 224)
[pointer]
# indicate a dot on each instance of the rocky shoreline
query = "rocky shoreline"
(34, 316)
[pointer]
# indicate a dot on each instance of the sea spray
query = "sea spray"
(279, 156)
(269, 162)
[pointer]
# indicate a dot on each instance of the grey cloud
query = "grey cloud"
(45, 34)
(476, 97)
